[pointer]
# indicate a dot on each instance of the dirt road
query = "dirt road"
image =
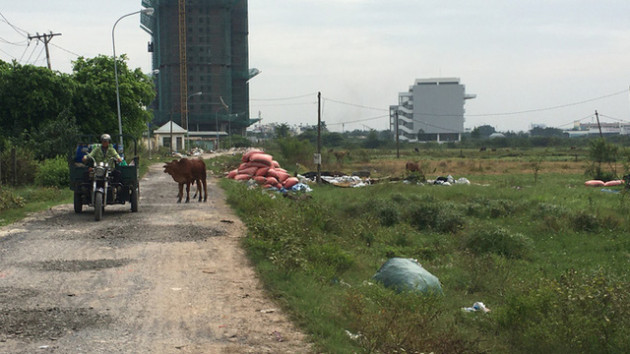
(168, 279)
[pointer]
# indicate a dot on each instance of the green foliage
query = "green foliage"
(499, 241)
(440, 217)
(53, 173)
(294, 151)
(18, 165)
(372, 141)
(95, 99)
(576, 313)
(390, 322)
(55, 137)
(9, 200)
(282, 131)
(601, 152)
(238, 141)
(499, 244)
(31, 96)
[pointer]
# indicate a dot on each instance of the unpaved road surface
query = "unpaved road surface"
(168, 279)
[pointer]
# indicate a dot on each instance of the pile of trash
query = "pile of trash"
(261, 167)
(448, 181)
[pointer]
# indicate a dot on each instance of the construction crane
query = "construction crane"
(183, 70)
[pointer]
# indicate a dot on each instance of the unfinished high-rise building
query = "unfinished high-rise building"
(200, 48)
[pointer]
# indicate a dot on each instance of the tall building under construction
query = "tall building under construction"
(200, 46)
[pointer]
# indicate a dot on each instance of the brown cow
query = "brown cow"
(412, 166)
(187, 171)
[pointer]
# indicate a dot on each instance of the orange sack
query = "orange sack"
(614, 183)
(232, 174)
(262, 171)
(594, 183)
(290, 182)
(248, 154)
(248, 171)
(242, 177)
(262, 158)
(260, 179)
(272, 180)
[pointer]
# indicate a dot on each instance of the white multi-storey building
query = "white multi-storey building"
(432, 110)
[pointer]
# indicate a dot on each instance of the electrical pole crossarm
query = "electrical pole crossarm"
(45, 38)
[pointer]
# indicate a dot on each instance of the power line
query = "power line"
(22, 32)
(285, 104)
(21, 43)
(356, 105)
(284, 98)
(549, 108)
(360, 120)
(7, 54)
(618, 119)
(65, 50)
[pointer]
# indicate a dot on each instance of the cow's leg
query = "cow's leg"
(181, 192)
(198, 189)
(187, 192)
(205, 190)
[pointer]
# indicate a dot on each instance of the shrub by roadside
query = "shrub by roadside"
(53, 173)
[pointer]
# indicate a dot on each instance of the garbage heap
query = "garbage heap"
(262, 168)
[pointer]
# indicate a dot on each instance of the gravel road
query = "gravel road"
(171, 278)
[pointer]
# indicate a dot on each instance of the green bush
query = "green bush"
(583, 221)
(22, 170)
(9, 200)
(388, 322)
(440, 217)
(53, 173)
(576, 313)
(499, 241)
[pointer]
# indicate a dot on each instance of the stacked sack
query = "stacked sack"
(263, 169)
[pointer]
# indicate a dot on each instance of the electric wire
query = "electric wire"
(32, 52)
(355, 105)
(15, 28)
(7, 54)
(549, 108)
(284, 98)
(65, 50)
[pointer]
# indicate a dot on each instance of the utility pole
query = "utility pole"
(397, 135)
(318, 156)
(599, 125)
(46, 37)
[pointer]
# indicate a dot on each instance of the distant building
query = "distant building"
(213, 57)
(432, 110)
(586, 129)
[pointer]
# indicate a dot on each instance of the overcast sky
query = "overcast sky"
(518, 55)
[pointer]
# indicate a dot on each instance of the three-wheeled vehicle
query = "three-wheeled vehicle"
(105, 183)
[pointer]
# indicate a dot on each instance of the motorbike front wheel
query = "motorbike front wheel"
(98, 206)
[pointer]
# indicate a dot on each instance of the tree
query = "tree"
(372, 141)
(30, 96)
(95, 99)
(282, 130)
(55, 137)
(538, 131)
(482, 132)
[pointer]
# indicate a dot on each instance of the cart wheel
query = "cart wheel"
(78, 202)
(98, 206)
(135, 195)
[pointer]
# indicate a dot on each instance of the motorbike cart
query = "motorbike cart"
(105, 183)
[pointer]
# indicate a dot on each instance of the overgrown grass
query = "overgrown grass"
(544, 255)
(30, 199)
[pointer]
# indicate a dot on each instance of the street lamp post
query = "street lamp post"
(188, 125)
(149, 11)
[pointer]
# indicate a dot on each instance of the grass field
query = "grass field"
(547, 255)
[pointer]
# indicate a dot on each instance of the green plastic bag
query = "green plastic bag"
(406, 274)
